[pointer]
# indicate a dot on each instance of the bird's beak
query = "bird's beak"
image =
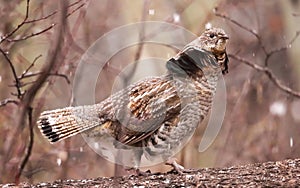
(224, 37)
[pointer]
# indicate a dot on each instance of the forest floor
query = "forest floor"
(269, 174)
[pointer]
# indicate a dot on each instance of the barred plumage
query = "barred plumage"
(157, 113)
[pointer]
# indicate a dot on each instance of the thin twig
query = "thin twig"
(38, 73)
(17, 81)
(26, 99)
(253, 32)
(265, 69)
(18, 84)
(26, 21)
(44, 30)
(52, 59)
(32, 34)
(77, 8)
(75, 3)
(269, 73)
(29, 96)
(20, 24)
(61, 75)
(51, 14)
(41, 18)
(29, 67)
(24, 76)
(7, 101)
(283, 48)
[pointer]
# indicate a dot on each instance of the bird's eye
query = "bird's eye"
(211, 35)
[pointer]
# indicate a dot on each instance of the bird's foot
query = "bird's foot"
(177, 167)
(138, 172)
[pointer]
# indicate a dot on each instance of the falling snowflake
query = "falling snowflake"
(151, 11)
(291, 142)
(208, 25)
(278, 108)
(58, 161)
(176, 17)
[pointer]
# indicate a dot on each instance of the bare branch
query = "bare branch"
(75, 3)
(7, 101)
(26, 21)
(77, 8)
(29, 147)
(295, 37)
(283, 48)
(31, 35)
(17, 81)
(40, 19)
(53, 13)
(29, 67)
(29, 96)
(265, 69)
(19, 26)
(44, 30)
(39, 73)
(18, 84)
(269, 73)
(52, 59)
(61, 75)
(251, 31)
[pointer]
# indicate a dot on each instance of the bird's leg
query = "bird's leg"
(177, 167)
(137, 155)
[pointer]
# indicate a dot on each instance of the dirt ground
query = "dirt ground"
(270, 174)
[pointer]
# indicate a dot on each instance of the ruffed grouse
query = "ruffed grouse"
(153, 116)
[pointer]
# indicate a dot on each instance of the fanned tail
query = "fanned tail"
(59, 124)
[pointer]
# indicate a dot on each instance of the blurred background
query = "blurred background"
(261, 121)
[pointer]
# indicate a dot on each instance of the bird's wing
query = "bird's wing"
(143, 108)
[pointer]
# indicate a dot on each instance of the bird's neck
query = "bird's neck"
(193, 62)
(222, 59)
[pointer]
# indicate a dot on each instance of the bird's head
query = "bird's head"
(207, 51)
(213, 40)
